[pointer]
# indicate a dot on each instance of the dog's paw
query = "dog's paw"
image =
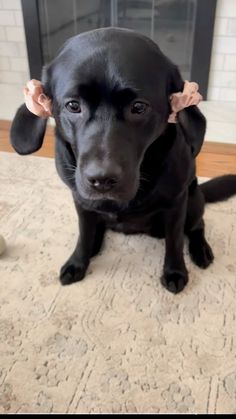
(174, 281)
(201, 254)
(71, 273)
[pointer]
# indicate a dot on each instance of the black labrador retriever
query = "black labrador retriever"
(129, 170)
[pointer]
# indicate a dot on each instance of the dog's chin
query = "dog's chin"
(108, 202)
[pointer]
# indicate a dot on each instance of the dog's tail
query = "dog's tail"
(219, 188)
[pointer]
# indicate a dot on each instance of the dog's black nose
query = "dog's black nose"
(102, 183)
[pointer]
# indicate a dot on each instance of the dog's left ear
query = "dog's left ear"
(190, 119)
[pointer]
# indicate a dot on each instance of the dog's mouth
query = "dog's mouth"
(120, 198)
(103, 204)
(112, 202)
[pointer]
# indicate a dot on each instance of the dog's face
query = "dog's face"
(110, 102)
(110, 92)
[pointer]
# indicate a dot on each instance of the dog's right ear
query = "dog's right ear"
(27, 131)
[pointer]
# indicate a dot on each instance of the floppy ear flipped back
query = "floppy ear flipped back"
(193, 124)
(27, 131)
(29, 124)
(190, 119)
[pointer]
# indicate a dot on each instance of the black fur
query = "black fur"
(128, 171)
(24, 126)
(219, 188)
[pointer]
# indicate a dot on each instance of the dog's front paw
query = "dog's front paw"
(201, 254)
(174, 281)
(71, 273)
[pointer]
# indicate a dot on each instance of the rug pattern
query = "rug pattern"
(117, 341)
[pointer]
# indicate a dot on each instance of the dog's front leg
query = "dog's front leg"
(175, 275)
(90, 233)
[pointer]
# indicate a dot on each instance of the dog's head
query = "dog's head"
(110, 92)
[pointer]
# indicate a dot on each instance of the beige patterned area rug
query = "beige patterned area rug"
(117, 341)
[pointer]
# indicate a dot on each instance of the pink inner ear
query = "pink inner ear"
(35, 99)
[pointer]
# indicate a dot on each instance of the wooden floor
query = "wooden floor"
(214, 159)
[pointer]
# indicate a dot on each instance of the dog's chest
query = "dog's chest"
(128, 223)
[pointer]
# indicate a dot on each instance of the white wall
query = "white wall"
(222, 81)
(14, 70)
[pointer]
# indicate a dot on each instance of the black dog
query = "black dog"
(128, 168)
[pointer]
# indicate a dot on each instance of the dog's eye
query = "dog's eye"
(73, 106)
(139, 107)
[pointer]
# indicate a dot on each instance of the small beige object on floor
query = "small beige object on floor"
(2, 245)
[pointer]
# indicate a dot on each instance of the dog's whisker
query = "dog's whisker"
(70, 168)
(144, 178)
(70, 177)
